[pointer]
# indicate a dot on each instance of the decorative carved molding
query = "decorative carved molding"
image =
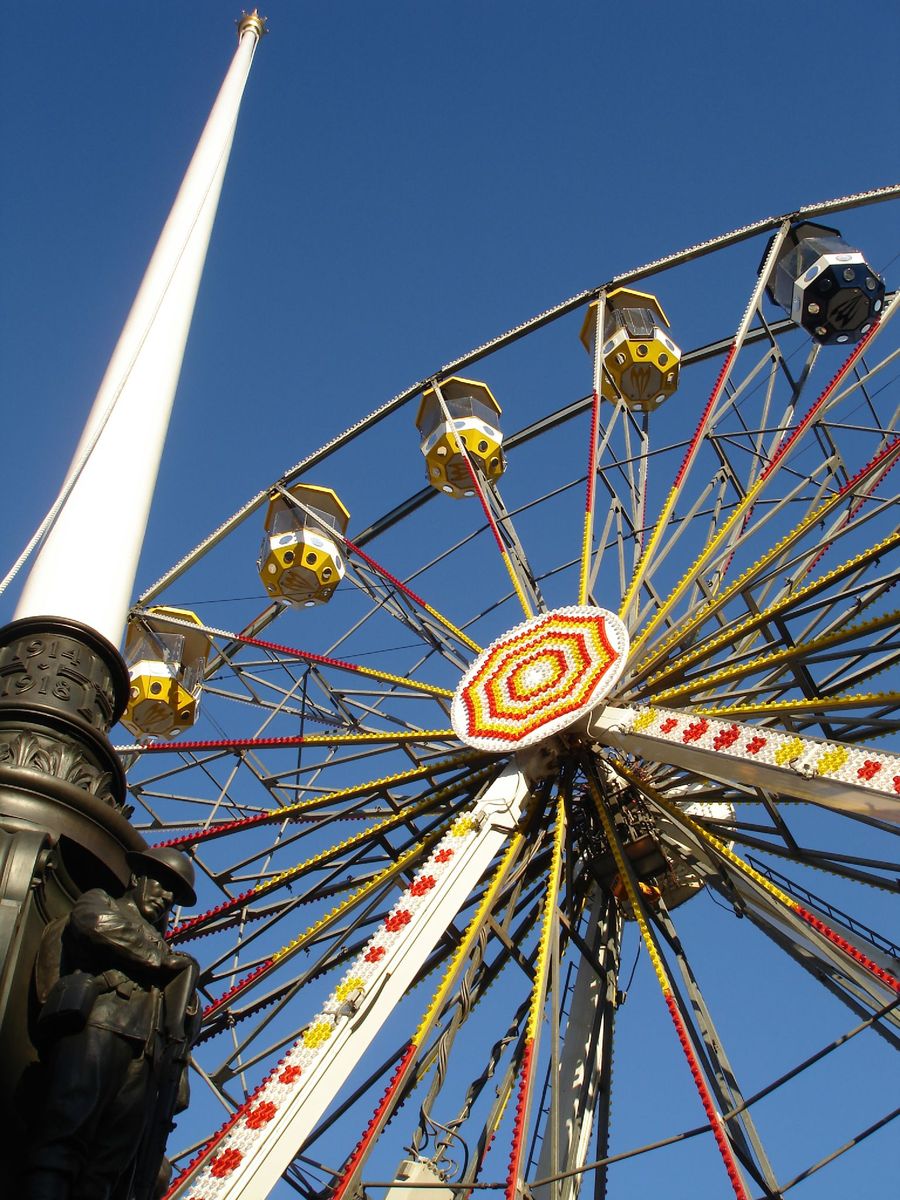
(62, 759)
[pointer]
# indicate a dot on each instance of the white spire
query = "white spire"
(86, 567)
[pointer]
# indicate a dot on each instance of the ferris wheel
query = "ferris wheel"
(540, 779)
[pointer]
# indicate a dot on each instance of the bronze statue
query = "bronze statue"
(117, 1018)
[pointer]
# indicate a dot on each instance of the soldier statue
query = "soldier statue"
(117, 1018)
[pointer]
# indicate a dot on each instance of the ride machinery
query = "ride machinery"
(471, 773)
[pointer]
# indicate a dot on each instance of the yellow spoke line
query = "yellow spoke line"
(289, 811)
(290, 873)
(703, 427)
(457, 441)
(396, 868)
(659, 968)
(756, 620)
(536, 1008)
(750, 496)
(703, 613)
(352, 1167)
(467, 942)
(766, 661)
(309, 935)
(823, 704)
(782, 898)
(590, 501)
(383, 826)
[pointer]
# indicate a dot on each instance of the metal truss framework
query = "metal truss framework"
(387, 908)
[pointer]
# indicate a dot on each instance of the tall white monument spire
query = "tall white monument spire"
(86, 567)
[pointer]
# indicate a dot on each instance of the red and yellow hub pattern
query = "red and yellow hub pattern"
(539, 678)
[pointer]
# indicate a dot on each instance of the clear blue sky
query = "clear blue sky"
(407, 180)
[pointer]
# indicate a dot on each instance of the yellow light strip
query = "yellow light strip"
(625, 875)
(756, 620)
(542, 962)
(385, 677)
(451, 628)
(354, 739)
(703, 612)
(766, 661)
(825, 704)
(718, 388)
(382, 826)
(374, 785)
(523, 599)
(406, 860)
(715, 1118)
(482, 913)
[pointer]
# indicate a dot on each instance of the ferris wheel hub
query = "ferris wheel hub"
(539, 678)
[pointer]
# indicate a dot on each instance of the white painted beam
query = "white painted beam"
(87, 565)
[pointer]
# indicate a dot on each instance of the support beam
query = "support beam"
(248, 1157)
(855, 780)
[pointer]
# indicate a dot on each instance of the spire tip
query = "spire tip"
(252, 22)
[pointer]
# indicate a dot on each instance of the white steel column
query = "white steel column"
(86, 567)
(581, 1070)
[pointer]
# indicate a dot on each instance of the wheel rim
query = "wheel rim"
(372, 794)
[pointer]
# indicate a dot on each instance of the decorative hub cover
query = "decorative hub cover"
(539, 678)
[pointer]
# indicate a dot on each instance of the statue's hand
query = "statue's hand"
(178, 962)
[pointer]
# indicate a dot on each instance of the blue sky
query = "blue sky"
(407, 180)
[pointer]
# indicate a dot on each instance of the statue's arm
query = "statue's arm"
(123, 942)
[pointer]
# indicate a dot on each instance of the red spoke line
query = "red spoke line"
(324, 660)
(801, 428)
(203, 1155)
(385, 573)
(264, 743)
(850, 950)
(784, 448)
(862, 475)
(407, 591)
(691, 452)
(193, 926)
(479, 491)
(713, 1116)
(518, 1134)
(633, 588)
(377, 1122)
(237, 989)
(302, 808)
(307, 655)
(860, 502)
(504, 553)
(632, 592)
(371, 1132)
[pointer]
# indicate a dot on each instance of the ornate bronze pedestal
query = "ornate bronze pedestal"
(63, 820)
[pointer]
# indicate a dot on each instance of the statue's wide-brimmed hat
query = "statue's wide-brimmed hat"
(168, 866)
